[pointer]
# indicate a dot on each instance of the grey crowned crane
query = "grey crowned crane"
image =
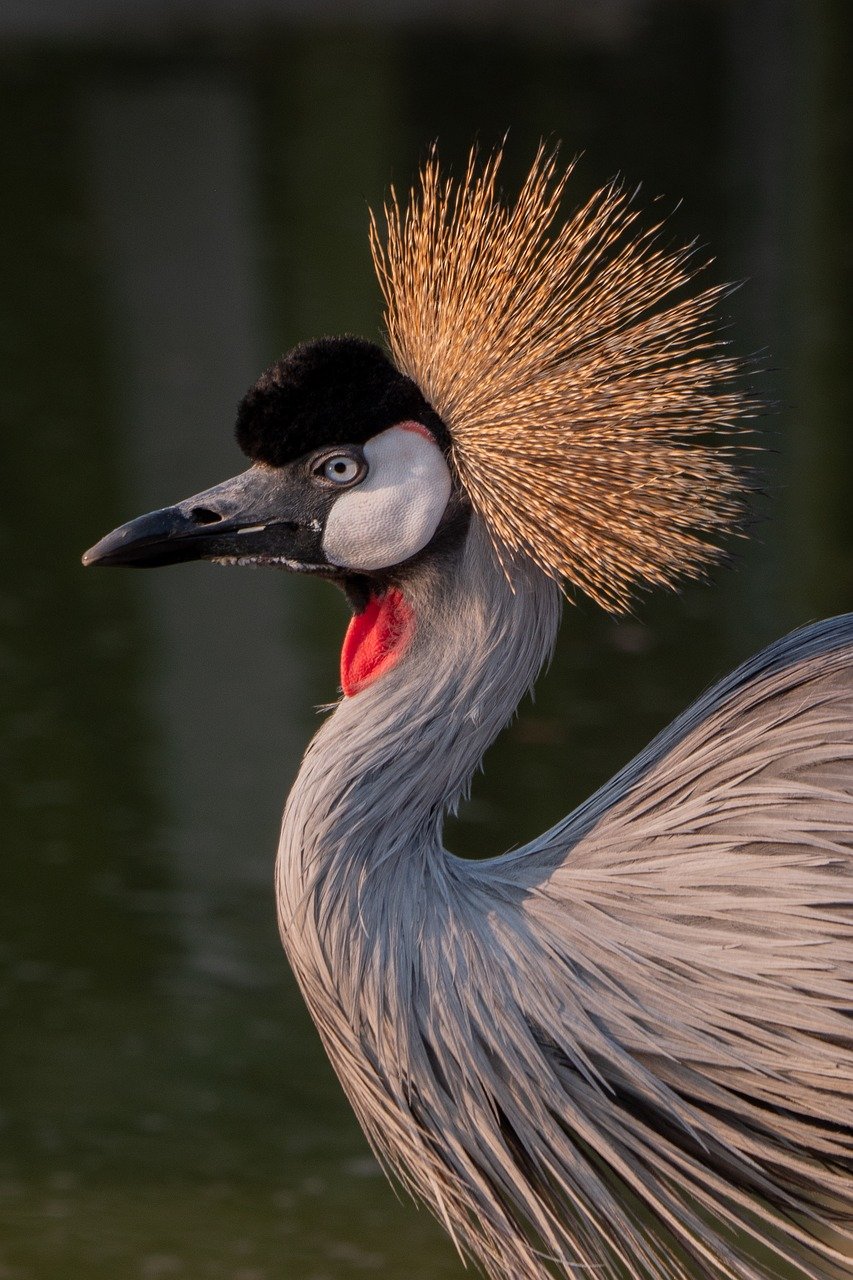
(623, 1050)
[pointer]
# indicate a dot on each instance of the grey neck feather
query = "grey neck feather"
(362, 876)
(385, 767)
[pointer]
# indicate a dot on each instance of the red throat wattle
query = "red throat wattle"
(375, 641)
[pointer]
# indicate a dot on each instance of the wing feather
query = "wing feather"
(699, 909)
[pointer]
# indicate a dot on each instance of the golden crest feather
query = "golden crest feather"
(584, 392)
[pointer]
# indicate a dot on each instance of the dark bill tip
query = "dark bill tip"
(152, 540)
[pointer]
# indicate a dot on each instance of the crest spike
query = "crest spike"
(590, 401)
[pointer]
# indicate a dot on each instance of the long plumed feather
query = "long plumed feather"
(580, 380)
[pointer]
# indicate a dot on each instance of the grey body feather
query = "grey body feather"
(624, 1049)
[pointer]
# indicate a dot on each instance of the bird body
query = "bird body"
(624, 1048)
(563, 997)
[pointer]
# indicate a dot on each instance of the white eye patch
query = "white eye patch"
(395, 511)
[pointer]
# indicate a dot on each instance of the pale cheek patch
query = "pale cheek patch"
(393, 514)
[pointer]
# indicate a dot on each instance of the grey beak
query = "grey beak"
(161, 537)
(261, 515)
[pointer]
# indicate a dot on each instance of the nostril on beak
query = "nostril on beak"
(204, 515)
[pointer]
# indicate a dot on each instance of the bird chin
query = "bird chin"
(281, 562)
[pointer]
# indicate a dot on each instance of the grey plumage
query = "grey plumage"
(624, 1048)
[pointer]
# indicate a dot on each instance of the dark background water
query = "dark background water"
(184, 195)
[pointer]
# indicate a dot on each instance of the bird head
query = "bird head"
(350, 480)
(349, 476)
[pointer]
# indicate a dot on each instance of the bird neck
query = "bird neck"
(387, 765)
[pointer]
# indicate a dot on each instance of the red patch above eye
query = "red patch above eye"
(375, 640)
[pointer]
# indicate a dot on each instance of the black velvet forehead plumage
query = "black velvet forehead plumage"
(327, 392)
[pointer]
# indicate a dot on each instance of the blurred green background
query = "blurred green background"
(184, 195)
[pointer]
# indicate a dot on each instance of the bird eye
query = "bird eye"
(341, 469)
